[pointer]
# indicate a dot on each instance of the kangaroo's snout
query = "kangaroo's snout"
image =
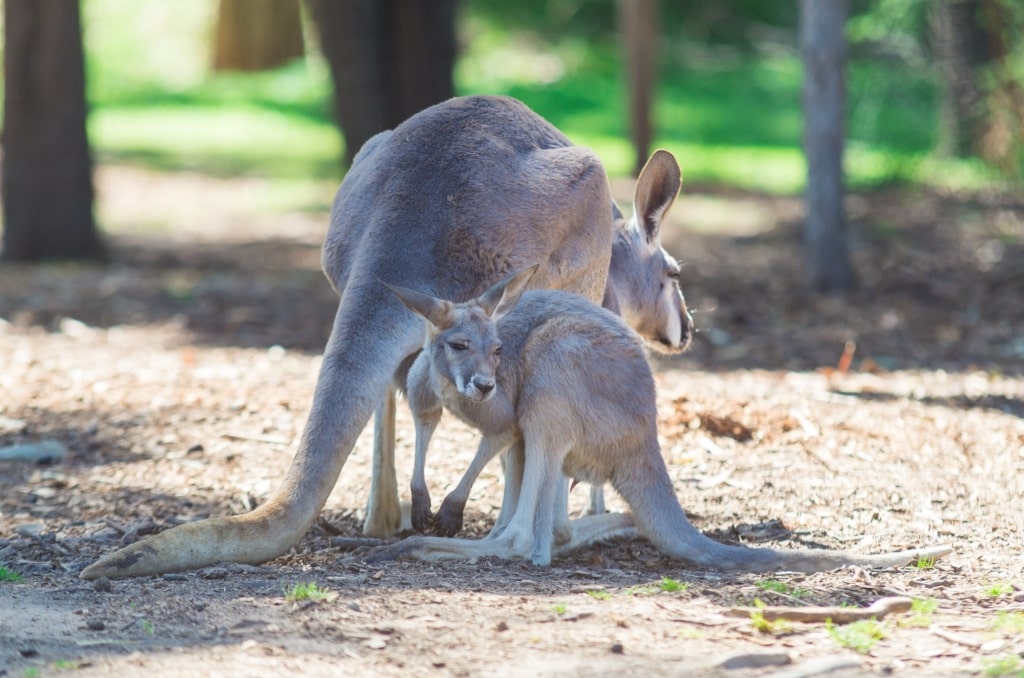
(485, 385)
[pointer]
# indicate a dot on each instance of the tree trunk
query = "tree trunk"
(959, 48)
(638, 20)
(388, 59)
(982, 99)
(47, 170)
(823, 45)
(257, 35)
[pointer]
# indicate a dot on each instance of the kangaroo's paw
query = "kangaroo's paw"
(449, 517)
(422, 517)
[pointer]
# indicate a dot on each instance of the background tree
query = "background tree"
(638, 20)
(982, 111)
(47, 168)
(257, 35)
(388, 59)
(823, 46)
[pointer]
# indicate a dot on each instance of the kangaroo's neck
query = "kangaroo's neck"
(624, 247)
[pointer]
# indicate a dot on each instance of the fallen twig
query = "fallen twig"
(835, 614)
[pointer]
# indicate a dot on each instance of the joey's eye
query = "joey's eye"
(673, 273)
(458, 345)
(497, 350)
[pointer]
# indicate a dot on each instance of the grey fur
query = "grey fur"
(449, 202)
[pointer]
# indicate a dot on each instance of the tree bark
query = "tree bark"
(638, 20)
(257, 35)
(47, 169)
(388, 60)
(823, 45)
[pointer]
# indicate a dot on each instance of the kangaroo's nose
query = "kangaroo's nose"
(485, 386)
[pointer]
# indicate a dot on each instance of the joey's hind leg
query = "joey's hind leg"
(596, 500)
(561, 530)
(551, 526)
(512, 463)
(449, 517)
(542, 465)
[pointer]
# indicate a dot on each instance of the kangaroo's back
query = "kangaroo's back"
(483, 184)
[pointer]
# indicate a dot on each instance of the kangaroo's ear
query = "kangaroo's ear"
(656, 189)
(437, 312)
(500, 298)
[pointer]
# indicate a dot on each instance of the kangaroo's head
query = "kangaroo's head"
(462, 341)
(643, 279)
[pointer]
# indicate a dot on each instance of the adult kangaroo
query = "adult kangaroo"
(450, 202)
(567, 384)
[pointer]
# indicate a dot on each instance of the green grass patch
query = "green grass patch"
(221, 141)
(670, 585)
(774, 627)
(782, 587)
(599, 594)
(859, 636)
(999, 589)
(9, 575)
(921, 610)
(310, 591)
(559, 608)
(1007, 665)
(1009, 623)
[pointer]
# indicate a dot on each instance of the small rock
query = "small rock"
(44, 451)
(175, 576)
(8, 425)
(754, 660)
(95, 624)
(102, 585)
(617, 648)
(213, 573)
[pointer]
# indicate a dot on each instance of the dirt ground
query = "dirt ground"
(179, 376)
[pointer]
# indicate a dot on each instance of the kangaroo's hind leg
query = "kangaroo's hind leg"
(383, 510)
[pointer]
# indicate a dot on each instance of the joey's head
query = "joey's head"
(462, 339)
(643, 279)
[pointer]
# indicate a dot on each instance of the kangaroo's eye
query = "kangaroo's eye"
(497, 350)
(458, 345)
(673, 273)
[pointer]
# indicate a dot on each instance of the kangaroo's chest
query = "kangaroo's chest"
(491, 417)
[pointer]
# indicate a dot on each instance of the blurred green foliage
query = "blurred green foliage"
(728, 99)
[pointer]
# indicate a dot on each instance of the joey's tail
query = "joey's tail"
(369, 340)
(648, 491)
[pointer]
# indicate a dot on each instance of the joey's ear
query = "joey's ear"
(656, 189)
(500, 298)
(437, 312)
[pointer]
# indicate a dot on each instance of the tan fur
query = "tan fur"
(573, 395)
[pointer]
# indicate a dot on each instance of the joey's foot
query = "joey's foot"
(449, 517)
(422, 518)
